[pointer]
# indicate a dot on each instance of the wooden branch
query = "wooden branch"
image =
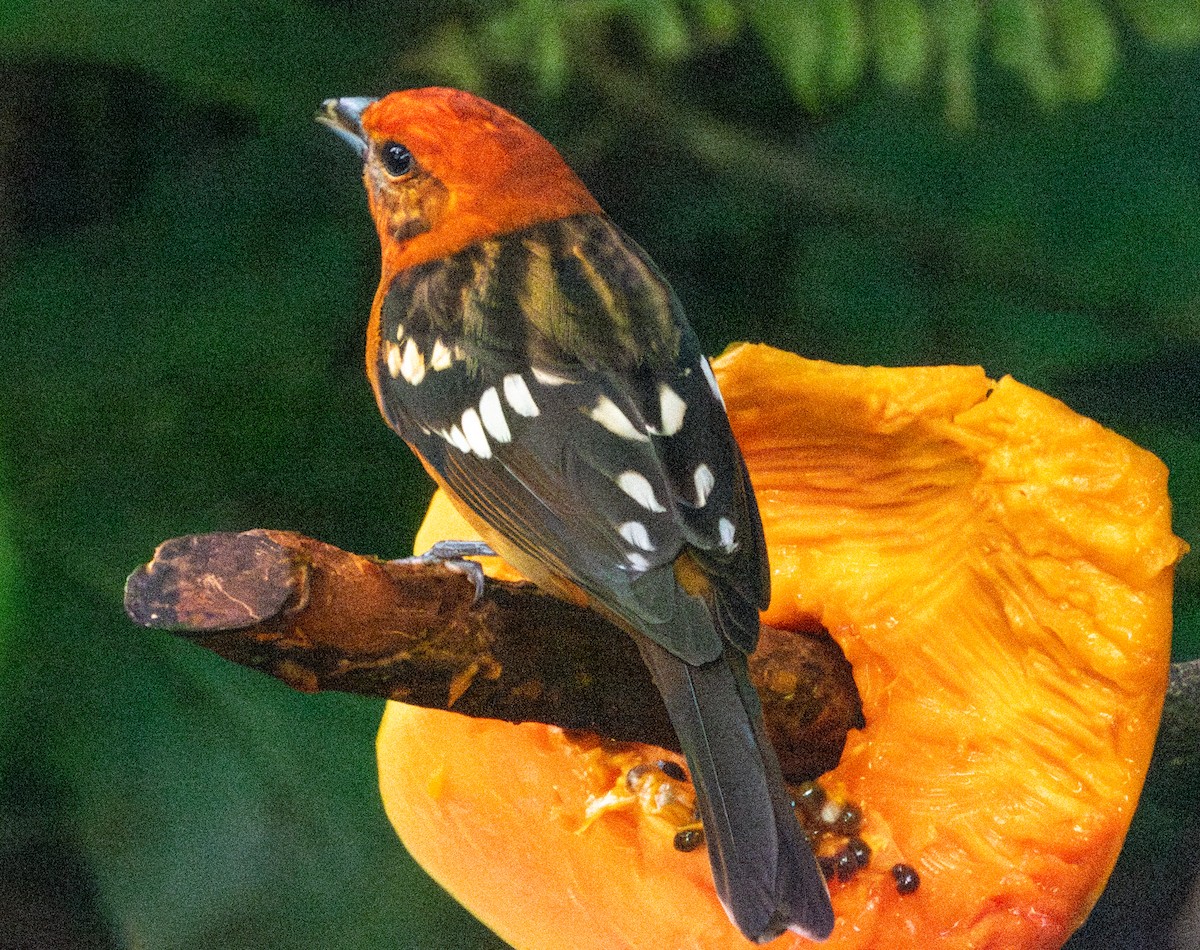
(319, 618)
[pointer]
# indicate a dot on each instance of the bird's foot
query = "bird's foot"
(452, 555)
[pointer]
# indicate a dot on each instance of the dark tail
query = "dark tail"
(765, 872)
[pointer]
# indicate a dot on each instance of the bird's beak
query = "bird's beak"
(344, 116)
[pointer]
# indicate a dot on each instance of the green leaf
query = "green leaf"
(1170, 23)
(720, 19)
(818, 45)
(663, 29)
(793, 35)
(550, 57)
(957, 24)
(1088, 47)
(846, 47)
(1021, 42)
(901, 35)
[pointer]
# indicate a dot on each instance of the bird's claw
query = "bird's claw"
(452, 555)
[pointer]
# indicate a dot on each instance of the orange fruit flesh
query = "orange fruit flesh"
(997, 570)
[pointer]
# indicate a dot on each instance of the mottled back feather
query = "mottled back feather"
(550, 379)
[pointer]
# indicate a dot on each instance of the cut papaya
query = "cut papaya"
(998, 571)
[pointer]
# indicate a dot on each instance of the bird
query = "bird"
(542, 369)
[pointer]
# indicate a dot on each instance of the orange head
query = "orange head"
(444, 169)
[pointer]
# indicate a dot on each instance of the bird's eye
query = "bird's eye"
(397, 160)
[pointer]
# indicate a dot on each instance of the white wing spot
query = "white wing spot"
(517, 394)
(704, 484)
(615, 421)
(393, 360)
(638, 487)
(456, 438)
(492, 414)
(638, 561)
(636, 534)
(412, 366)
(727, 531)
(441, 357)
(671, 409)
(472, 428)
(546, 378)
(399, 331)
(712, 380)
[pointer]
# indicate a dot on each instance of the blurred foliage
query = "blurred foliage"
(185, 269)
(1061, 50)
(9, 622)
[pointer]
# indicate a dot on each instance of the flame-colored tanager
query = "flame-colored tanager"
(541, 367)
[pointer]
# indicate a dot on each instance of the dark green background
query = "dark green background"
(186, 265)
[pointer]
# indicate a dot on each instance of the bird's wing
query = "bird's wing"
(549, 378)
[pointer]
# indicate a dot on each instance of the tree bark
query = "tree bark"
(319, 618)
